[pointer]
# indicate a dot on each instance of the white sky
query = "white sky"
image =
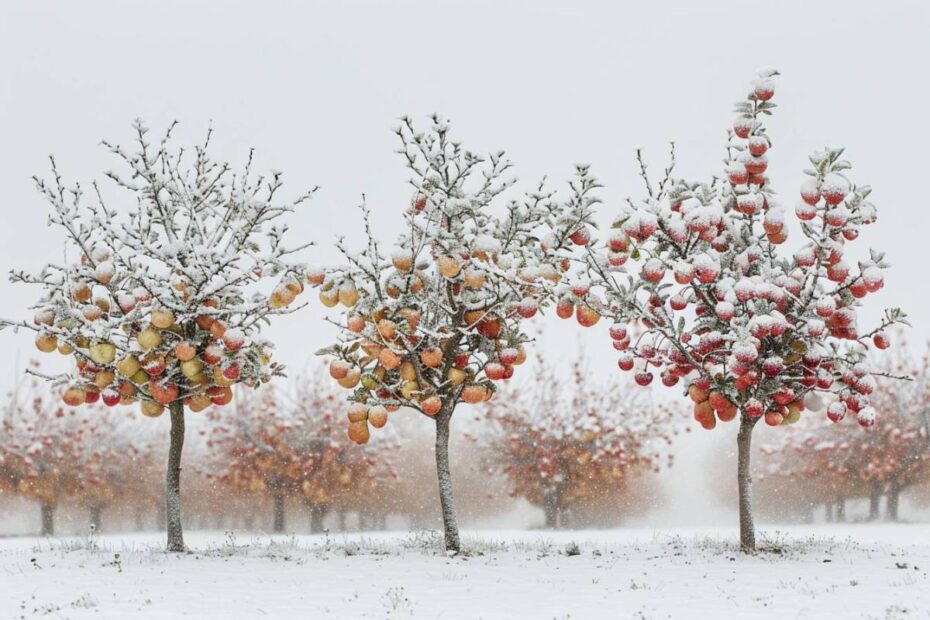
(316, 88)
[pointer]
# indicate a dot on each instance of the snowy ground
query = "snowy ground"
(853, 571)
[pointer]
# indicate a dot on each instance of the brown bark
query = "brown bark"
(747, 528)
(449, 522)
(173, 479)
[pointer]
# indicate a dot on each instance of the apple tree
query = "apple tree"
(701, 292)
(437, 320)
(564, 442)
(159, 297)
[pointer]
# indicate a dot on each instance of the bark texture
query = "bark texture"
(747, 528)
(173, 479)
(449, 523)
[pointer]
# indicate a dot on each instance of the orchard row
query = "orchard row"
(163, 304)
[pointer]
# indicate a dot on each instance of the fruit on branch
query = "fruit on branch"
(151, 409)
(46, 342)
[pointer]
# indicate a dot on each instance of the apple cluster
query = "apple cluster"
(439, 321)
(129, 346)
(715, 305)
(394, 359)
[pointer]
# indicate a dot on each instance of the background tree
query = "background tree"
(714, 301)
(883, 460)
(253, 452)
(289, 445)
(565, 443)
(157, 299)
(48, 450)
(440, 321)
(115, 467)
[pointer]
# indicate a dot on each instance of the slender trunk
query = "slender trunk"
(875, 499)
(747, 529)
(48, 519)
(140, 520)
(449, 523)
(840, 510)
(96, 510)
(278, 513)
(173, 479)
(829, 507)
(317, 514)
(891, 508)
(342, 520)
(552, 518)
(249, 521)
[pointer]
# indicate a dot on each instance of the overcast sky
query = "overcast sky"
(316, 88)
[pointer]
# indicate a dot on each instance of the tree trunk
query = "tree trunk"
(875, 500)
(317, 514)
(449, 523)
(342, 520)
(840, 510)
(551, 511)
(96, 510)
(278, 526)
(747, 529)
(173, 479)
(48, 519)
(891, 507)
(829, 507)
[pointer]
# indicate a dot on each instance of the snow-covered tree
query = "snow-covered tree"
(438, 319)
(563, 441)
(700, 291)
(158, 298)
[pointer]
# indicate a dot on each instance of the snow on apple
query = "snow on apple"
(440, 322)
(158, 275)
(739, 318)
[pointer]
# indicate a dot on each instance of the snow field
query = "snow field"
(852, 571)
